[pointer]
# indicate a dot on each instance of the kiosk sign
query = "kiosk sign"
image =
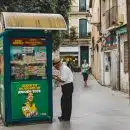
(28, 42)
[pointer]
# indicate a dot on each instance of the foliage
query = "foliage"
(65, 34)
(56, 36)
(89, 34)
(73, 34)
(43, 6)
(39, 6)
(63, 7)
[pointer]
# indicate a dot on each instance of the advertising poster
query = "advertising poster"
(29, 99)
(28, 63)
(29, 86)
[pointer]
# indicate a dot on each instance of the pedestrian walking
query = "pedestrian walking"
(85, 69)
(66, 79)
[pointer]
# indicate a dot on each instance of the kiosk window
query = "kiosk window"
(28, 63)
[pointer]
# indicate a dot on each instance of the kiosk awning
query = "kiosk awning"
(17, 20)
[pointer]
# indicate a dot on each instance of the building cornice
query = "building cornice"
(80, 13)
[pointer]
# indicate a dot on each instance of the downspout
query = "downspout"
(100, 32)
(109, 15)
(128, 29)
(118, 76)
(100, 16)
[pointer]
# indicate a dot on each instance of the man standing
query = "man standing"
(66, 79)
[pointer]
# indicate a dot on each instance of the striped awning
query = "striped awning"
(16, 20)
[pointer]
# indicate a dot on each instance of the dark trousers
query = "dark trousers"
(66, 100)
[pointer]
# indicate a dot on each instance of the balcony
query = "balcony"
(82, 11)
(111, 16)
(78, 39)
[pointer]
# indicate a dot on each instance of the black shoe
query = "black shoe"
(62, 119)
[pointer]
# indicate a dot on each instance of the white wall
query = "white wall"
(95, 12)
(114, 68)
(122, 9)
(75, 2)
(124, 76)
(68, 49)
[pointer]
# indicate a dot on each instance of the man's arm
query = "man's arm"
(58, 79)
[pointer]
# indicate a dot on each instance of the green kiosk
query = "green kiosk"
(26, 66)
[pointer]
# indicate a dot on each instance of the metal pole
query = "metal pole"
(119, 88)
(128, 28)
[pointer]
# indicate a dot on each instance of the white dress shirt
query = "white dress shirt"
(66, 74)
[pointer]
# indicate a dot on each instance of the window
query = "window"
(82, 28)
(125, 56)
(82, 5)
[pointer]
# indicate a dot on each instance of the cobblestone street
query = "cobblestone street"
(94, 108)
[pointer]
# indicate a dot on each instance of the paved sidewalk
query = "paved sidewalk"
(94, 108)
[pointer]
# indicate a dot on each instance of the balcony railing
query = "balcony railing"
(111, 16)
(80, 35)
(82, 9)
(83, 35)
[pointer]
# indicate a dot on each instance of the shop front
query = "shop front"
(109, 59)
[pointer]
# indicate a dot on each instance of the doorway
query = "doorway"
(107, 68)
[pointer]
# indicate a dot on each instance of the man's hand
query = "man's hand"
(57, 78)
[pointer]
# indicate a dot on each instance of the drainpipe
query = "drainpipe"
(109, 14)
(100, 15)
(100, 32)
(118, 71)
(128, 29)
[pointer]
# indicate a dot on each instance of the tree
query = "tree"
(63, 7)
(56, 37)
(32, 6)
(40, 6)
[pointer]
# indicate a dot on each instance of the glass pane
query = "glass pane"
(82, 5)
(82, 28)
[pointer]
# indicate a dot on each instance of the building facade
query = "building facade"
(79, 49)
(95, 46)
(109, 43)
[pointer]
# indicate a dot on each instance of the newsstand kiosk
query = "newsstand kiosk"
(26, 66)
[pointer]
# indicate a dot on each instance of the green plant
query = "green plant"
(73, 34)
(89, 34)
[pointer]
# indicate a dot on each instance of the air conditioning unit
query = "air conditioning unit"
(121, 19)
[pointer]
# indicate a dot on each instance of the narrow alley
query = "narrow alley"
(94, 108)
